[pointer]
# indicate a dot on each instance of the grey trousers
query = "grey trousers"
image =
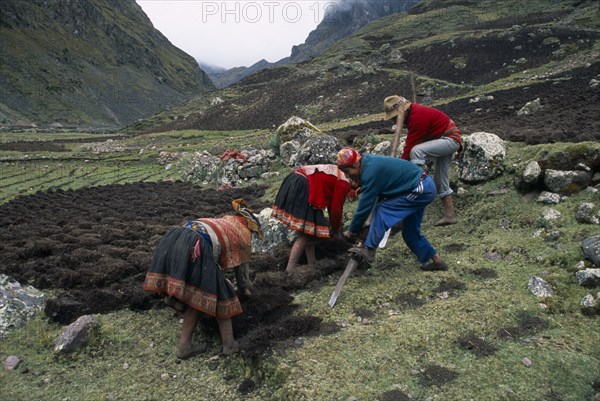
(440, 151)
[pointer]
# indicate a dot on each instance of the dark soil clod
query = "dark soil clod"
(455, 248)
(450, 286)
(408, 301)
(527, 324)
(394, 395)
(485, 273)
(476, 345)
(435, 375)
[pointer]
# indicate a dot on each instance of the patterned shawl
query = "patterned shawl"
(235, 239)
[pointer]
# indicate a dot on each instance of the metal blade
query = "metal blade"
(352, 264)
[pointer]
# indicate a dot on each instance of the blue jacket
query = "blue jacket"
(382, 177)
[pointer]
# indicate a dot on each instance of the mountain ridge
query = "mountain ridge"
(96, 63)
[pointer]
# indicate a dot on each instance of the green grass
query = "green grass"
(82, 166)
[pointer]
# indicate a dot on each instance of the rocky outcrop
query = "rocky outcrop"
(564, 173)
(18, 304)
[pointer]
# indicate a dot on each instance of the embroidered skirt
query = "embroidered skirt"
(180, 271)
(291, 207)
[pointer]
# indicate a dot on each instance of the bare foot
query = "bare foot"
(231, 348)
(446, 221)
(191, 350)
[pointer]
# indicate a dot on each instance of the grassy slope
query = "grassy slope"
(388, 351)
(52, 74)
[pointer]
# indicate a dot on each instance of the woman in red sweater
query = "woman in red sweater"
(431, 135)
(300, 202)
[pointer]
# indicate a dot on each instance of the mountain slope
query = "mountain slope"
(342, 19)
(97, 63)
(450, 53)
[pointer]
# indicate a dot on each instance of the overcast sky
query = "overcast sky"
(233, 33)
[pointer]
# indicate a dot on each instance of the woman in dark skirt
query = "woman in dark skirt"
(300, 202)
(186, 269)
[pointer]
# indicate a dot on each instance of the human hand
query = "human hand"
(349, 235)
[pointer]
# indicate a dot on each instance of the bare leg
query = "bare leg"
(449, 213)
(230, 346)
(186, 349)
(310, 252)
(296, 251)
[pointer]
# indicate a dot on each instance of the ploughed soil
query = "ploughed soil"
(90, 249)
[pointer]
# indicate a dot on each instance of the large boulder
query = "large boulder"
(287, 130)
(482, 159)
(275, 232)
(77, 334)
(320, 150)
(567, 181)
(591, 249)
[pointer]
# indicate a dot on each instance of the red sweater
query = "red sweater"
(327, 191)
(424, 124)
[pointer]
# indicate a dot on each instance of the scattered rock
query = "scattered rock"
(294, 124)
(530, 107)
(481, 98)
(77, 334)
(527, 362)
(11, 362)
(320, 150)
(588, 301)
(527, 176)
(275, 233)
(591, 249)
(549, 198)
(550, 214)
(585, 213)
(588, 277)
(539, 287)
